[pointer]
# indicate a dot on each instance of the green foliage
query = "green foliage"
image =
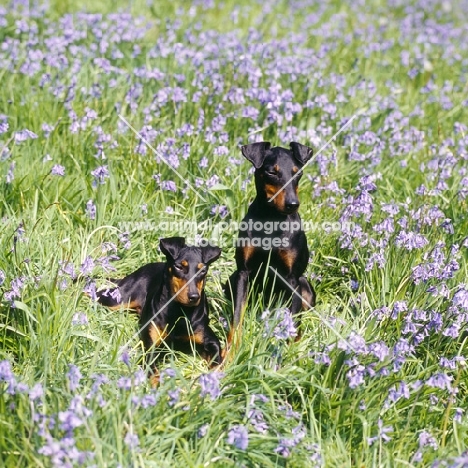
(300, 394)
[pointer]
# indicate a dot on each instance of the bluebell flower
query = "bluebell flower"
(382, 433)
(74, 376)
(58, 170)
(87, 266)
(174, 396)
(238, 436)
(169, 185)
(440, 380)
(257, 419)
(100, 175)
(90, 209)
(79, 318)
(202, 431)
(24, 135)
(210, 384)
(131, 440)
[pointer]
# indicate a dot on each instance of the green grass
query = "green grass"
(336, 420)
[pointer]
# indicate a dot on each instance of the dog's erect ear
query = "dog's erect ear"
(256, 152)
(171, 246)
(210, 254)
(300, 152)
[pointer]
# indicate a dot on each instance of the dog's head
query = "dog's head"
(187, 268)
(277, 173)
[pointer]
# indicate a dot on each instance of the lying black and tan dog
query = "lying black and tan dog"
(171, 302)
(271, 233)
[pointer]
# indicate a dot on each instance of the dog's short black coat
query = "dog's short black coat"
(280, 242)
(171, 302)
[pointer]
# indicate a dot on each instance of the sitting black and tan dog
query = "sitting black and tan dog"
(271, 240)
(171, 302)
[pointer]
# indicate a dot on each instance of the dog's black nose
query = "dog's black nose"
(193, 297)
(292, 206)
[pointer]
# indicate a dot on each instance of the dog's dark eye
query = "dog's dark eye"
(271, 173)
(202, 271)
(178, 267)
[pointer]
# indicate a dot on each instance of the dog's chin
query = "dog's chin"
(189, 304)
(288, 212)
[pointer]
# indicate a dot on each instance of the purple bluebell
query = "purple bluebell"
(74, 376)
(354, 343)
(125, 356)
(10, 176)
(380, 350)
(126, 383)
(210, 384)
(90, 209)
(221, 210)
(458, 416)
(169, 185)
(69, 421)
(131, 440)
(410, 240)
(396, 392)
(321, 357)
(47, 129)
(67, 268)
(203, 430)
(440, 380)
(382, 433)
(238, 436)
(221, 150)
(100, 175)
(79, 318)
(398, 308)
(58, 170)
(106, 266)
(174, 396)
(4, 126)
(285, 327)
(6, 372)
(24, 135)
(460, 298)
(167, 375)
(87, 266)
(16, 287)
(36, 393)
(426, 439)
(90, 289)
(356, 376)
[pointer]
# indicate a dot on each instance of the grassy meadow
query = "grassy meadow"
(119, 120)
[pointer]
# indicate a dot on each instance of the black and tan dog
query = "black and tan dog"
(171, 302)
(271, 233)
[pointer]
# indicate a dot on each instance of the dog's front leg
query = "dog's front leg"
(308, 294)
(152, 336)
(240, 295)
(239, 284)
(212, 348)
(152, 359)
(296, 301)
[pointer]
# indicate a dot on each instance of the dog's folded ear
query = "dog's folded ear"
(300, 152)
(210, 254)
(171, 246)
(256, 152)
